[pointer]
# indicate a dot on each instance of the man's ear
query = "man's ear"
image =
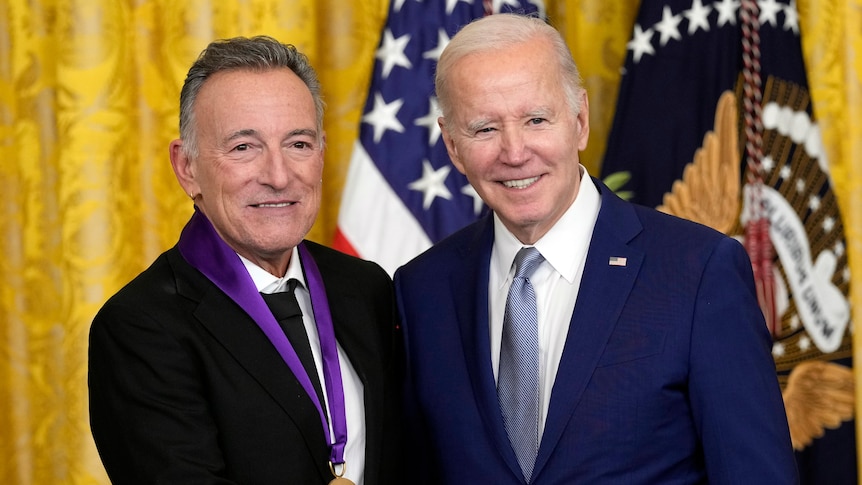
(184, 169)
(583, 122)
(451, 149)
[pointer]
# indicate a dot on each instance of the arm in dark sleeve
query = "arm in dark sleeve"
(736, 400)
(148, 409)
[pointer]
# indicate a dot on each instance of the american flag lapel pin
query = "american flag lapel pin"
(617, 261)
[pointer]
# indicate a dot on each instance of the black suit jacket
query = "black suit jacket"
(186, 388)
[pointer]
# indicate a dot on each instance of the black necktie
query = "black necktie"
(286, 311)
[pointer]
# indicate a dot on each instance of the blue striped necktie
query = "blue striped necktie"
(518, 381)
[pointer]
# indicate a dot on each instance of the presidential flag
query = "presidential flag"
(714, 123)
(402, 192)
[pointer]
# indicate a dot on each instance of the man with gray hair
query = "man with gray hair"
(246, 354)
(569, 336)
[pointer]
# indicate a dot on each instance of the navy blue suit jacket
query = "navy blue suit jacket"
(666, 375)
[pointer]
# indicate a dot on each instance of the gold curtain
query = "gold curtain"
(88, 104)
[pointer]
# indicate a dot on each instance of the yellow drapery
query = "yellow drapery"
(88, 103)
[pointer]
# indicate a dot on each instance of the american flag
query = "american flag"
(402, 193)
(617, 261)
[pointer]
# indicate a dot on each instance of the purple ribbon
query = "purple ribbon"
(202, 248)
(329, 351)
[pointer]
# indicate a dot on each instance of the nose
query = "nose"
(275, 171)
(513, 146)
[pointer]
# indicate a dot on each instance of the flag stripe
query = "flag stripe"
(373, 220)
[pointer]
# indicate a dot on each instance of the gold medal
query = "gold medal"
(339, 477)
(340, 481)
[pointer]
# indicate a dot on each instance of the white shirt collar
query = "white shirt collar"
(267, 282)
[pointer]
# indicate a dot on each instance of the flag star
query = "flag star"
(432, 183)
(769, 12)
(384, 117)
(814, 203)
(767, 164)
(800, 185)
(828, 224)
(450, 5)
(430, 121)
(496, 5)
(785, 172)
(641, 43)
(804, 343)
(669, 26)
(791, 17)
(468, 190)
(391, 53)
(442, 42)
(697, 16)
(726, 11)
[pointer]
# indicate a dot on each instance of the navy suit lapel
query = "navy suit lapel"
(470, 292)
(604, 289)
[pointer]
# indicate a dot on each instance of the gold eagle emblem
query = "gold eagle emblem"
(818, 395)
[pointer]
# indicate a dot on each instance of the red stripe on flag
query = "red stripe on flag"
(341, 243)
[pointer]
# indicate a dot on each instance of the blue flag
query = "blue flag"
(691, 137)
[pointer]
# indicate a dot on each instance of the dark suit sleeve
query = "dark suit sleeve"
(422, 467)
(735, 397)
(148, 409)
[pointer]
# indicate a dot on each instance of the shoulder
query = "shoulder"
(332, 259)
(627, 218)
(661, 231)
(152, 300)
(342, 271)
(157, 279)
(461, 248)
(665, 240)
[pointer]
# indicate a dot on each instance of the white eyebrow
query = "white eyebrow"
(477, 125)
(538, 113)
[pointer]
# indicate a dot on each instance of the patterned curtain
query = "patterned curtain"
(832, 43)
(88, 104)
(89, 93)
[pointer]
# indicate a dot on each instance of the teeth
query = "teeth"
(282, 204)
(520, 184)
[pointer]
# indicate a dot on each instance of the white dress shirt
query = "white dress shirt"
(354, 451)
(555, 282)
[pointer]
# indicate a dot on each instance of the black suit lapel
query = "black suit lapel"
(352, 319)
(358, 332)
(232, 328)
